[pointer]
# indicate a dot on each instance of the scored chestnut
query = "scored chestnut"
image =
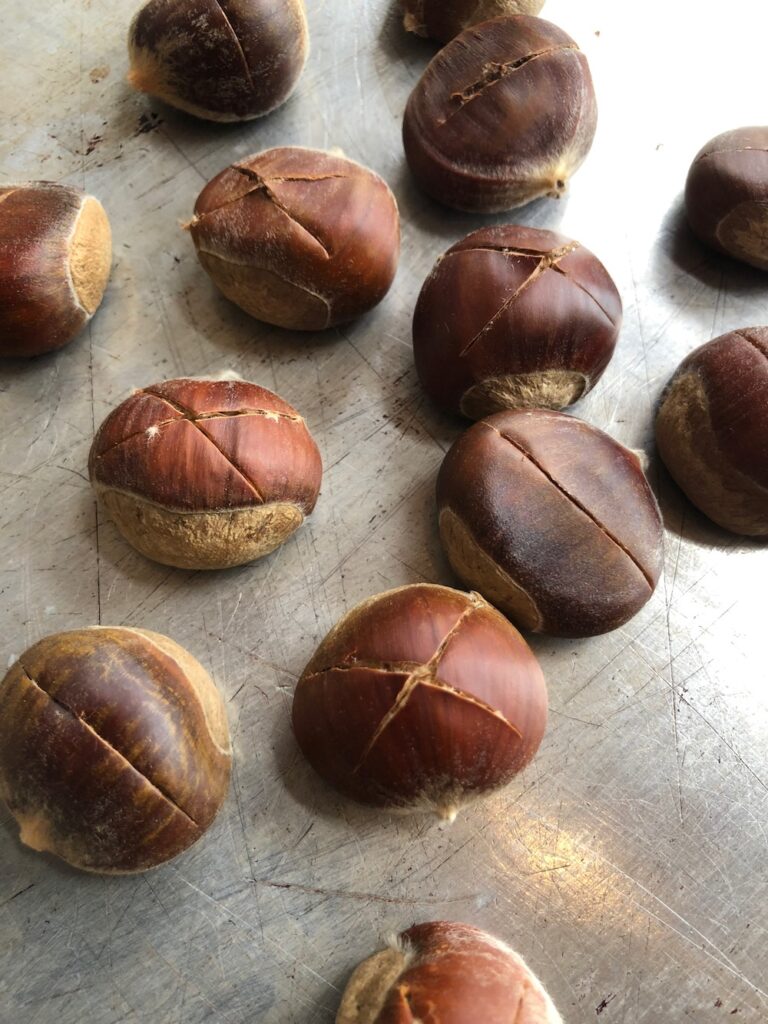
(55, 258)
(712, 429)
(444, 19)
(551, 520)
(205, 474)
(514, 317)
(446, 972)
(726, 195)
(504, 114)
(222, 60)
(419, 699)
(299, 238)
(114, 748)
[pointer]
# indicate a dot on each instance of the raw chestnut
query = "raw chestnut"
(449, 973)
(504, 114)
(551, 520)
(726, 195)
(55, 258)
(712, 430)
(298, 237)
(222, 60)
(419, 699)
(205, 474)
(514, 316)
(114, 748)
(444, 19)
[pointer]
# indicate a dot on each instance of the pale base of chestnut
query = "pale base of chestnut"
(547, 389)
(743, 233)
(201, 540)
(90, 255)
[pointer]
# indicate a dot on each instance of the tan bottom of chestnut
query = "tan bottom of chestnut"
(90, 254)
(547, 389)
(744, 233)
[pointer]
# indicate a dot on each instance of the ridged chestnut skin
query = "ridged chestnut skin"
(419, 699)
(222, 60)
(55, 258)
(445, 972)
(726, 195)
(551, 520)
(205, 474)
(712, 429)
(514, 317)
(444, 19)
(299, 238)
(504, 114)
(114, 748)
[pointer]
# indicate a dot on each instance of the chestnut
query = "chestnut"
(222, 60)
(551, 520)
(504, 114)
(726, 195)
(419, 699)
(205, 474)
(514, 316)
(55, 258)
(114, 748)
(299, 238)
(444, 19)
(449, 973)
(712, 429)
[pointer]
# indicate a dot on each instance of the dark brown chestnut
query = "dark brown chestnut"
(504, 114)
(419, 699)
(55, 258)
(223, 60)
(298, 237)
(114, 748)
(551, 520)
(444, 19)
(712, 429)
(726, 195)
(514, 317)
(205, 474)
(449, 973)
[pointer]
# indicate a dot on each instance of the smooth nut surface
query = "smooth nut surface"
(223, 60)
(205, 474)
(504, 114)
(444, 19)
(114, 748)
(551, 520)
(712, 429)
(419, 699)
(726, 195)
(514, 317)
(299, 238)
(55, 258)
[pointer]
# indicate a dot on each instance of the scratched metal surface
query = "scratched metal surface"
(628, 864)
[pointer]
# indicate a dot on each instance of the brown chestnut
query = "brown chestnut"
(551, 520)
(712, 429)
(223, 60)
(298, 237)
(419, 699)
(114, 748)
(205, 474)
(504, 114)
(55, 258)
(449, 973)
(514, 317)
(444, 19)
(726, 195)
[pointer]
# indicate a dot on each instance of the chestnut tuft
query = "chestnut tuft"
(299, 238)
(504, 114)
(223, 60)
(551, 520)
(514, 317)
(205, 474)
(444, 19)
(55, 258)
(419, 699)
(712, 430)
(447, 972)
(726, 195)
(114, 748)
